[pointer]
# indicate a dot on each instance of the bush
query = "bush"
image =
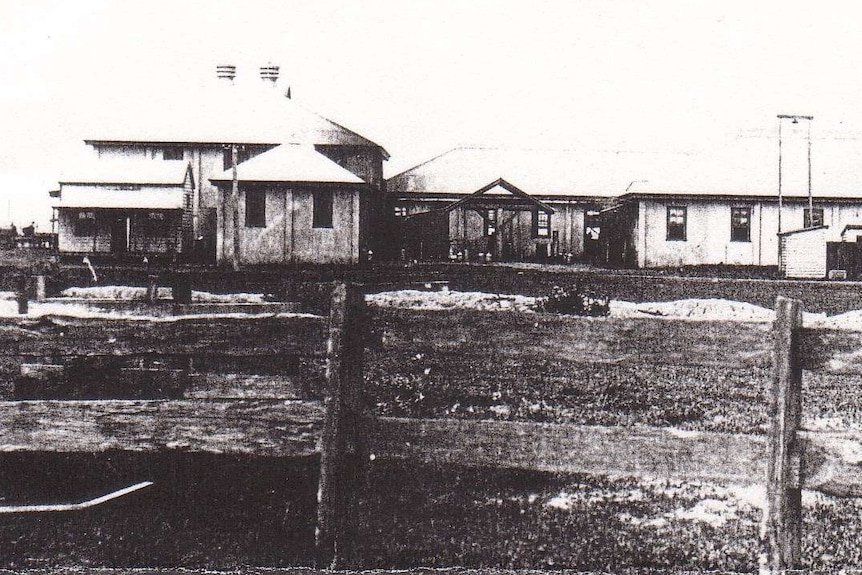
(575, 300)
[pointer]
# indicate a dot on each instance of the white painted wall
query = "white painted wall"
(708, 231)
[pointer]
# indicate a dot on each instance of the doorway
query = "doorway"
(120, 234)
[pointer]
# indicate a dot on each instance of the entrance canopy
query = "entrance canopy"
(490, 196)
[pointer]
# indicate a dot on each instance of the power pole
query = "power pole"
(795, 119)
(234, 202)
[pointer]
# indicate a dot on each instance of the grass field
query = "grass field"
(225, 512)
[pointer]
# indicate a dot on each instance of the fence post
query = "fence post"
(21, 295)
(344, 460)
(152, 288)
(782, 519)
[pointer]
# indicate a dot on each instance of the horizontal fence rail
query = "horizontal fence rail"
(338, 428)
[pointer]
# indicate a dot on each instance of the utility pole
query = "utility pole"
(234, 202)
(795, 120)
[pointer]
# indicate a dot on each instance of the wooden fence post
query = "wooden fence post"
(782, 520)
(21, 295)
(152, 288)
(344, 459)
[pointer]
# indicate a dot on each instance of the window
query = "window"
(676, 223)
(740, 224)
(156, 224)
(812, 219)
(172, 153)
(255, 208)
(242, 154)
(592, 225)
(490, 218)
(543, 224)
(322, 209)
(85, 224)
(400, 211)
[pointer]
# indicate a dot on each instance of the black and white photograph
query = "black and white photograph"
(292, 287)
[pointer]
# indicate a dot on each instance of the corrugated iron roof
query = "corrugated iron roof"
(218, 114)
(126, 171)
(76, 196)
(741, 167)
(291, 163)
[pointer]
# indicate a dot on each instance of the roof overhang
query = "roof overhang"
(108, 198)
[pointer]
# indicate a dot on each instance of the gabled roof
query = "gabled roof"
(221, 114)
(741, 167)
(291, 163)
(127, 172)
(504, 185)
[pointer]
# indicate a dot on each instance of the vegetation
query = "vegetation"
(575, 300)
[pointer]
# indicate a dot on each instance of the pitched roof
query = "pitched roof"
(291, 163)
(740, 167)
(127, 171)
(241, 114)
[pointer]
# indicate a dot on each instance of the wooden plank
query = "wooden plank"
(568, 448)
(781, 536)
(344, 451)
(263, 336)
(475, 333)
(831, 462)
(831, 351)
(266, 428)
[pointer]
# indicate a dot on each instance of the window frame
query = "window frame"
(400, 211)
(255, 208)
(82, 230)
(808, 218)
(735, 226)
(323, 209)
(670, 225)
(541, 230)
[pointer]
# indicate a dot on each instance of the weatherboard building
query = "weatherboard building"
(308, 190)
(631, 209)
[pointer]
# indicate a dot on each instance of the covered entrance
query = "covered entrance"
(498, 222)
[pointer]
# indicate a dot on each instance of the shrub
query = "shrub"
(575, 300)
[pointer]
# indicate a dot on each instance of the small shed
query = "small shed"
(802, 253)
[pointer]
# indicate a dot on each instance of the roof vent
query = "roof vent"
(226, 72)
(269, 74)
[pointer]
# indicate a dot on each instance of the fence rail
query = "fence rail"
(340, 429)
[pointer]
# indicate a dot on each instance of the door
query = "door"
(119, 235)
(592, 235)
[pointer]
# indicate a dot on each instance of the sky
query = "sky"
(421, 77)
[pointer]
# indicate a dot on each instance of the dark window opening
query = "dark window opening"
(255, 209)
(812, 219)
(676, 223)
(242, 154)
(322, 209)
(85, 224)
(740, 224)
(156, 224)
(172, 153)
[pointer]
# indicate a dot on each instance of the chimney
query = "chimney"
(269, 74)
(226, 73)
